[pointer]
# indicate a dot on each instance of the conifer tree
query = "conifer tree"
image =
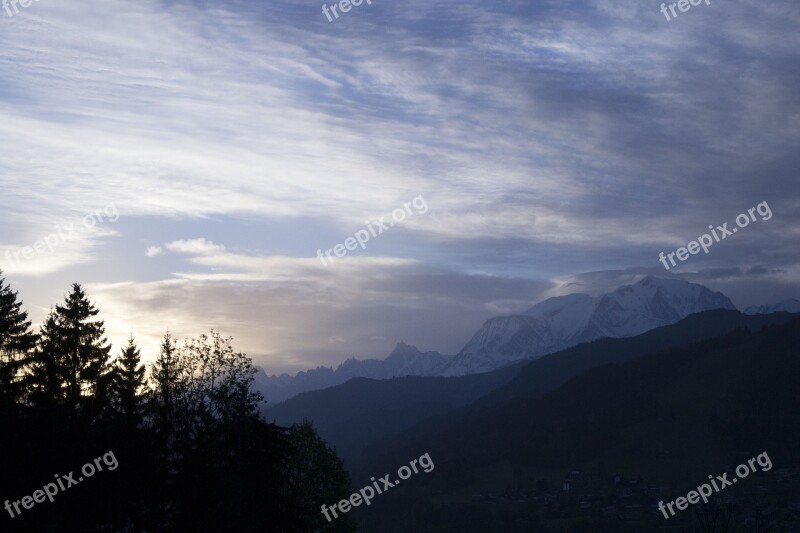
(127, 384)
(165, 375)
(45, 376)
(74, 350)
(16, 342)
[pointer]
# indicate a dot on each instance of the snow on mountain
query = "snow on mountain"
(565, 321)
(790, 306)
(547, 327)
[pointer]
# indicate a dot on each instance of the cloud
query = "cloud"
(285, 314)
(194, 247)
(559, 145)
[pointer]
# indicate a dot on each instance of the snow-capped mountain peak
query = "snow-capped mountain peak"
(789, 306)
(551, 325)
(563, 321)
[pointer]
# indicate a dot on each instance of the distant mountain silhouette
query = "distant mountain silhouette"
(362, 411)
(547, 327)
(405, 360)
(790, 306)
(364, 418)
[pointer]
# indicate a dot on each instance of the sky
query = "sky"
(188, 162)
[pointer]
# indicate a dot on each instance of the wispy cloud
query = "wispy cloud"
(553, 138)
(153, 251)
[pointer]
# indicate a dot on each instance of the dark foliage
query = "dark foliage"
(183, 450)
(630, 432)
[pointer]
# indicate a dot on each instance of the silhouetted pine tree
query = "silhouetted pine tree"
(44, 382)
(73, 346)
(194, 451)
(124, 417)
(165, 377)
(127, 387)
(164, 374)
(16, 342)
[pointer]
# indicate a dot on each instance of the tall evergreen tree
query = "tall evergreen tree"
(165, 375)
(16, 342)
(72, 346)
(127, 385)
(126, 390)
(45, 376)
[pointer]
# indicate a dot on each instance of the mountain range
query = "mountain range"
(551, 325)
(581, 412)
(789, 306)
(366, 418)
(593, 437)
(404, 360)
(563, 321)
